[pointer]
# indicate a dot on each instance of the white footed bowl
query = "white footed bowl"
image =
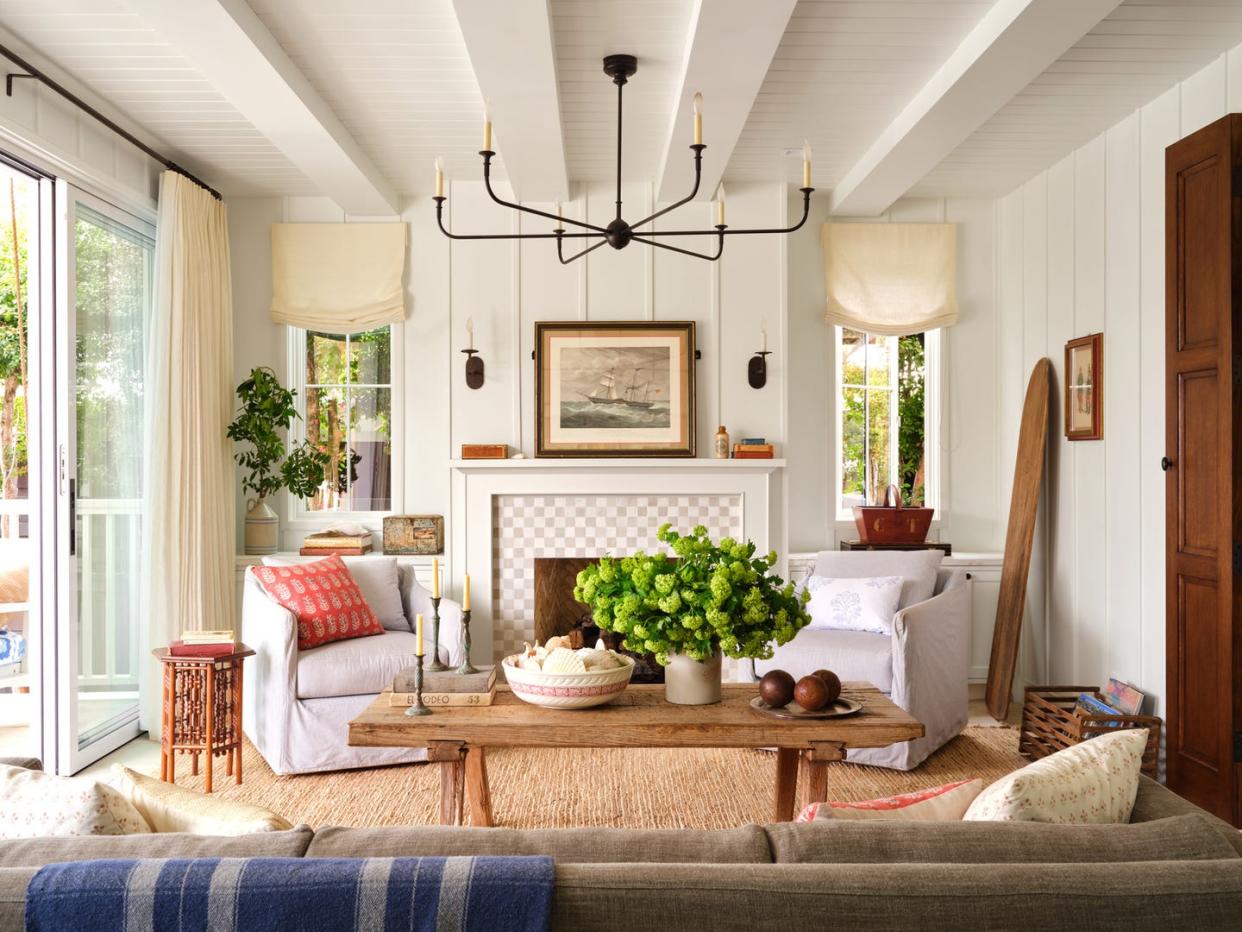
(567, 690)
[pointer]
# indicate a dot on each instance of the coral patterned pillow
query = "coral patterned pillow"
(1090, 783)
(323, 597)
(946, 803)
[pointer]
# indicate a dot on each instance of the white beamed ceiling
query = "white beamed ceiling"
(397, 75)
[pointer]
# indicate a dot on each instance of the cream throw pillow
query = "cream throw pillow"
(171, 808)
(946, 803)
(1090, 783)
(38, 805)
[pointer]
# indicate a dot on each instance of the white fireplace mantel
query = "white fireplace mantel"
(758, 485)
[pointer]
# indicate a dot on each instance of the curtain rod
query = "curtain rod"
(37, 75)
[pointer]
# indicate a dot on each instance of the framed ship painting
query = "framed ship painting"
(624, 388)
(1084, 381)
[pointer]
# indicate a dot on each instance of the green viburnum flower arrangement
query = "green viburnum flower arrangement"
(712, 596)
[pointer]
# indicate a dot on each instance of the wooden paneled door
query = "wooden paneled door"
(1203, 391)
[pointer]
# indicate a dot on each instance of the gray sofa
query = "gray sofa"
(1174, 866)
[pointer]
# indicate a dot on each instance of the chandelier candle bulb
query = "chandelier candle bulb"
(487, 134)
(720, 214)
(806, 164)
(698, 118)
(439, 176)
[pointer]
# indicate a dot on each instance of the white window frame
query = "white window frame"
(931, 423)
(298, 516)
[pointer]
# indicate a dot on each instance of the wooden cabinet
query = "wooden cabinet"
(1203, 456)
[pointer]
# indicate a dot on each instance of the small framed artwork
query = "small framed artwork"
(624, 388)
(1084, 388)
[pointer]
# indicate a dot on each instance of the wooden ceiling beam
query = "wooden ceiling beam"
(511, 51)
(240, 58)
(1014, 43)
(730, 46)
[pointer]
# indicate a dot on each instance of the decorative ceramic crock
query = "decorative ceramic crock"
(262, 527)
(692, 682)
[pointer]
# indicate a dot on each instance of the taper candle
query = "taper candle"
(720, 215)
(698, 118)
(806, 164)
(439, 176)
(465, 595)
(487, 134)
(435, 578)
(418, 628)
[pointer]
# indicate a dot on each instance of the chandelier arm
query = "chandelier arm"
(698, 177)
(487, 183)
(578, 255)
(687, 252)
(806, 211)
(440, 222)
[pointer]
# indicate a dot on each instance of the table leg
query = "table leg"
(165, 724)
(477, 788)
(815, 761)
(237, 716)
(786, 783)
(210, 724)
(449, 755)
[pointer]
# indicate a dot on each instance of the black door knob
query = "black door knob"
(1165, 463)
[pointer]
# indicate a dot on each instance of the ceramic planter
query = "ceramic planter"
(692, 682)
(262, 528)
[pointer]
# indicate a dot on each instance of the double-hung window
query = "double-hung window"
(345, 394)
(885, 396)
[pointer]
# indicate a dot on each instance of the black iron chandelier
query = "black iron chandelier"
(619, 234)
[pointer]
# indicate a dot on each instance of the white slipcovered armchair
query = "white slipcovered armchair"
(297, 705)
(923, 666)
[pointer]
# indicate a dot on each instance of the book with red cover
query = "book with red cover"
(182, 649)
(744, 455)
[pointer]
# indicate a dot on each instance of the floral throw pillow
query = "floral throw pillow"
(323, 597)
(946, 803)
(1090, 783)
(40, 805)
(863, 604)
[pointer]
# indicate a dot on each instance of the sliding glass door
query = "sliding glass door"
(106, 260)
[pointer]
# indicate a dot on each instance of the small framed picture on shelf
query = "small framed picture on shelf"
(621, 388)
(1084, 388)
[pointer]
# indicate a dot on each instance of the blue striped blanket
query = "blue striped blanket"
(442, 894)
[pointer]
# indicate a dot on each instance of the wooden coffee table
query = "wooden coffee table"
(457, 738)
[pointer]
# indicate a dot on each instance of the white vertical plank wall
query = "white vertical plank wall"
(1081, 249)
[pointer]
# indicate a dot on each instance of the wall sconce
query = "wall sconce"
(474, 364)
(757, 369)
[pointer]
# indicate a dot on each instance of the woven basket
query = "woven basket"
(1050, 724)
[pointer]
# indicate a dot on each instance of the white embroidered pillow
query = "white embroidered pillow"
(864, 604)
(38, 804)
(946, 803)
(1090, 783)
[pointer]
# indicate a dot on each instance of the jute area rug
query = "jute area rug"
(623, 788)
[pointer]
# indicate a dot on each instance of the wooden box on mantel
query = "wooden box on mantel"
(417, 534)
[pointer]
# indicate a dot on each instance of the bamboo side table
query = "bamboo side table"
(201, 712)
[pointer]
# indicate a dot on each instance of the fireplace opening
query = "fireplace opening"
(558, 613)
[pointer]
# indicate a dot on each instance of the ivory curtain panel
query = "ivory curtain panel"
(891, 279)
(338, 277)
(188, 539)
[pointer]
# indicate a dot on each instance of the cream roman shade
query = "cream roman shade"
(338, 277)
(890, 278)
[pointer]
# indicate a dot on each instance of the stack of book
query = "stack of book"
(326, 543)
(753, 448)
(446, 689)
(204, 644)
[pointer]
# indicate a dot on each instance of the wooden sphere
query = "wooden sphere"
(811, 693)
(833, 682)
(777, 689)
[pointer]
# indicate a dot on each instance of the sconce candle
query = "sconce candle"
(806, 164)
(474, 364)
(439, 176)
(698, 119)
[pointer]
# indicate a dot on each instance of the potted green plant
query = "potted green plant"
(710, 599)
(267, 408)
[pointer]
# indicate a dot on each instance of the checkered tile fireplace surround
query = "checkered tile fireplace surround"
(506, 513)
(528, 526)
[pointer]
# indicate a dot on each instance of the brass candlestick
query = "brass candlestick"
(418, 708)
(435, 666)
(466, 665)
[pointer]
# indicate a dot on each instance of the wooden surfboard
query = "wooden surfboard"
(1028, 473)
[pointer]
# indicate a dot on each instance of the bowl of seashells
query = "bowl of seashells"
(558, 677)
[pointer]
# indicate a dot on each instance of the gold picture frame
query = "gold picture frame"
(1084, 388)
(615, 389)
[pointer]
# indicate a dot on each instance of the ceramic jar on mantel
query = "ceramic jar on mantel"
(262, 528)
(692, 682)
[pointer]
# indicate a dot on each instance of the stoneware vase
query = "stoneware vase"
(262, 527)
(692, 682)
